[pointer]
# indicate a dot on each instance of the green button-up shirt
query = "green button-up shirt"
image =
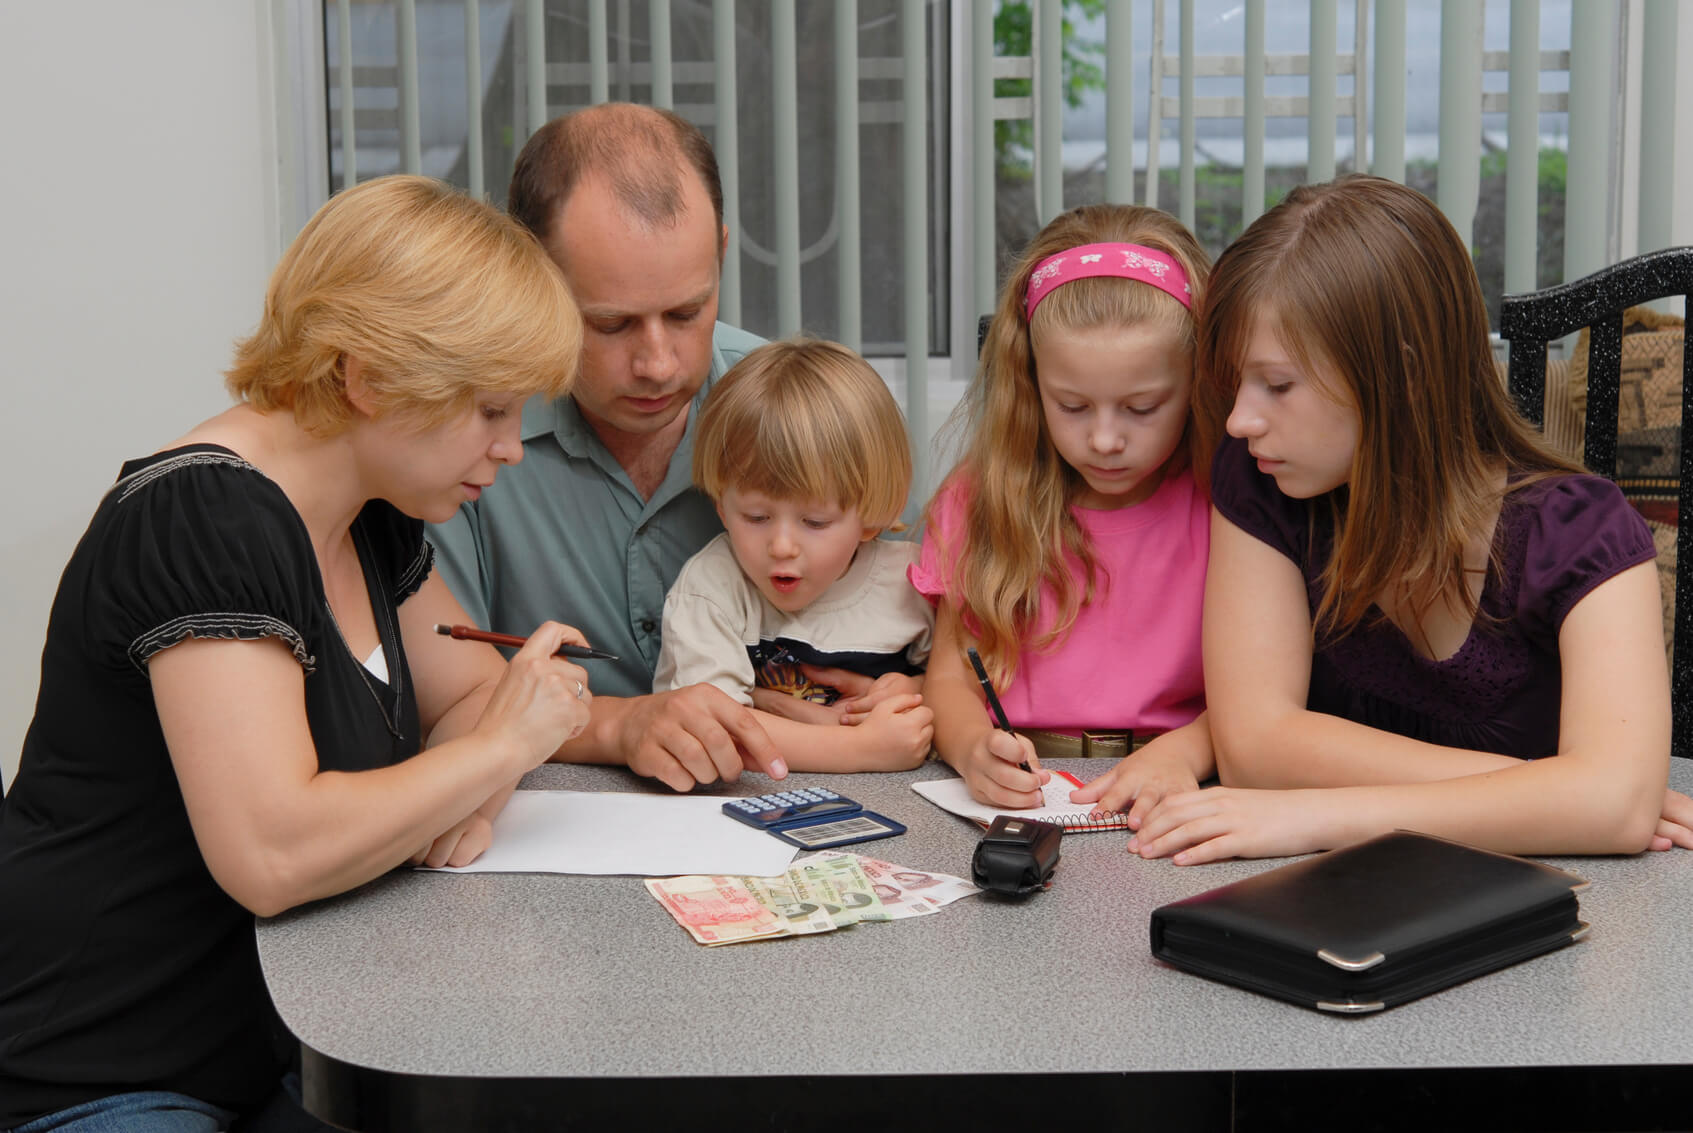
(564, 535)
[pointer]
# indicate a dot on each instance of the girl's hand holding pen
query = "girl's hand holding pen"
(1000, 769)
(542, 700)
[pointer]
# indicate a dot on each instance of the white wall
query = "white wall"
(139, 227)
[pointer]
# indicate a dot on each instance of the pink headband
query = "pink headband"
(1126, 261)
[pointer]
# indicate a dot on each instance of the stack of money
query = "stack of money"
(819, 893)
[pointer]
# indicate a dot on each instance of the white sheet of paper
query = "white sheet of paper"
(608, 833)
(954, 795)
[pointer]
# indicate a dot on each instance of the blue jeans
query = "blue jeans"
(158, 1111)
(152, 1111)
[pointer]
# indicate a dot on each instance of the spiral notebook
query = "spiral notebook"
(952, 795)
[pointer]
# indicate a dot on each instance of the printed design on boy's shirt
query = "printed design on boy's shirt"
(775, 668)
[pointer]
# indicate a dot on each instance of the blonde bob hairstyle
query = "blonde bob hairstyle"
(441, 298)
(803, 419)
(1021, 536)
(1369, 289)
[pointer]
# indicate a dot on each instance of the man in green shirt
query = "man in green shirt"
(593, 525)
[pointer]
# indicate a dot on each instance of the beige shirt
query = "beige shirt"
(871, 620)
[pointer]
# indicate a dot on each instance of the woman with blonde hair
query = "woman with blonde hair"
(1417, 616)
(241, 674)
(1068, 547)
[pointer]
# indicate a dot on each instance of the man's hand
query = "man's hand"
(696, 734)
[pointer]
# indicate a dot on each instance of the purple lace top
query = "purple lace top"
(1558, 539)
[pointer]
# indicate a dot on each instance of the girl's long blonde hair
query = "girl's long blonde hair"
(1366, 280)
(1019, 537)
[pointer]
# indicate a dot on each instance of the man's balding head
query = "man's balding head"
(641, 152)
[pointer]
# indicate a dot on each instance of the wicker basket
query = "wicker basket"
(1648, 428)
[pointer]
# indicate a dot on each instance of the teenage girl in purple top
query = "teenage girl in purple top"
(1411, 601)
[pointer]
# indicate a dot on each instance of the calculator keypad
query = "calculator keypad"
(780, 806)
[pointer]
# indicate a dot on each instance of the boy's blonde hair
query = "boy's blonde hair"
(804, 419)
(441, 297)
(1019, 533)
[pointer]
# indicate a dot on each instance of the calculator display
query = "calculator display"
(856, 828)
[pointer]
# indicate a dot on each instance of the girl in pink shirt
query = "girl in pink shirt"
(1069, 545)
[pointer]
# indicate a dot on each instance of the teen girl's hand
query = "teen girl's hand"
(542, 700)
(1675, 828)
(898, 733)
(1145, 778)
(1172, 763)
(1229, 822)
(989, 767)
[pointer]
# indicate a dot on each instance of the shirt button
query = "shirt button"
(648, 625)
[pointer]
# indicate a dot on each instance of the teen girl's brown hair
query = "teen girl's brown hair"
(1368, 286)
(1019, 531)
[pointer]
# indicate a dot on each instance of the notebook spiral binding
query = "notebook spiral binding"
(1083, 821)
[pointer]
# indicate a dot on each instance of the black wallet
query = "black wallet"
(1372, 925)
(1016, 855)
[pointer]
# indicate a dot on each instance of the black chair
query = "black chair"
(1529, 321)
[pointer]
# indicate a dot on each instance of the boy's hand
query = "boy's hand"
(860, 694)
(1144, 777)
(896, 734)
(990, 771)
(796, 708)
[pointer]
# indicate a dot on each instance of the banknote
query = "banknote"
(819, 893)
(914, 891)
(716, 910)
(800, 916)
(841, 886)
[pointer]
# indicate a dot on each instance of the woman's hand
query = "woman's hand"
(1144, 777)
(1230, 822)
(469, 838)
(541, 700)
(989, 767)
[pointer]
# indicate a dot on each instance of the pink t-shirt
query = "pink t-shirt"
(1131, 659)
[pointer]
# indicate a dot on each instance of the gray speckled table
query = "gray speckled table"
(422, 977)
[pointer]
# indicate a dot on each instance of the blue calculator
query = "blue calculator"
(812, 818)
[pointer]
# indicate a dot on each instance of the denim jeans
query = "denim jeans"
(157, 1111)
(151, 1111)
